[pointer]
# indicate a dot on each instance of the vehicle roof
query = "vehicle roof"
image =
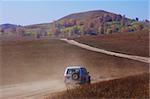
(70, 67)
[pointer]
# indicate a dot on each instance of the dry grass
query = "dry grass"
(135, 87)
(134, 43)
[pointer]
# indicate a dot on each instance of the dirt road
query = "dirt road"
(31, 90)
(30, 69)
(133, 57)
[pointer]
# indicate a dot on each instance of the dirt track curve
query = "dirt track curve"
(133, 57)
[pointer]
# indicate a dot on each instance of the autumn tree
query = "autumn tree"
(138, 26)
(55, 29)
(123, 21)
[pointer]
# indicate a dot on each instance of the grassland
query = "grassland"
(131, 87)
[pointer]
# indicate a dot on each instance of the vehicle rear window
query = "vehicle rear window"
(75, 70)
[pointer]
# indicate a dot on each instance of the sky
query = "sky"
(26, 12)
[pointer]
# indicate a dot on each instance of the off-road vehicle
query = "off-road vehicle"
(76, 75)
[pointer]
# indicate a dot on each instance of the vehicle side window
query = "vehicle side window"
(84, 71)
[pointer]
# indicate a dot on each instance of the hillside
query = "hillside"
(11, 30)
(90, 14)
(6, 26)
(95, 22)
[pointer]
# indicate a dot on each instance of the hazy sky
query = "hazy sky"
(26, 12)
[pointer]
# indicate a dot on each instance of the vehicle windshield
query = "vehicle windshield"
(73, 70)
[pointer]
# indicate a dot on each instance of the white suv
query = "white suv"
(76, 75)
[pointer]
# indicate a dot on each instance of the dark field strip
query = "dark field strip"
(132, 43)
